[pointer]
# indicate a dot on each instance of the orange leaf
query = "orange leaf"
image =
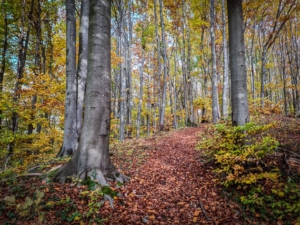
(152, 217)
(196, 213)
(180, 203)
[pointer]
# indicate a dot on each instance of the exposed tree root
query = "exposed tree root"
(69, 170)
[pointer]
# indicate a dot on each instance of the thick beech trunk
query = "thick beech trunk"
(82, 62)
(240, 113)
(70, 141)
(92, 158)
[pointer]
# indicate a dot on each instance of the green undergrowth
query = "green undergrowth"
(246, 162)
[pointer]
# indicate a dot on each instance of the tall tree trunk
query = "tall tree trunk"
(92, 157)
(37, 63)
(129, 71)
(239, 101)
(82, 63)
(252, 65)
(294, 68)
(158, 94)
(122, 98)
(148, 96)
(189, 78)
(173, 85)
(215, 98)
(70, 141)
(225, 65)
(164, 53)
(263, 76)
(138, 120)
(4, 51)
(184, 65)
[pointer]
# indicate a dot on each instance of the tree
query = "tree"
(215, 99)
(239, 101)
(23, 47)
(225, 66)
(92, 158)
(4, 51)
(278, 24)
(82, 62)
(164, 54)
(70, 133)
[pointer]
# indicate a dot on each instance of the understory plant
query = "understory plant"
(246, 164)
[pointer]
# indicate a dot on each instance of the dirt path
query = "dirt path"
(173, 187)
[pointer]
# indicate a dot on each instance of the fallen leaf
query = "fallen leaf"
(196, 213)
(152, 217)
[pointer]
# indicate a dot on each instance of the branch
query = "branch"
(203, 210)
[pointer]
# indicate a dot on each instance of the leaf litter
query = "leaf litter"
(170, 184)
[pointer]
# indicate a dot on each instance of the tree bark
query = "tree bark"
(37, 63)
(70, 141)
(122, 99)
(215, 98)
(92, 158)
(129, 71)
(158, 94)
(138, 120)
(225, 65)
(239, 101)
(82, 63)
(184, 66)
(164, 91)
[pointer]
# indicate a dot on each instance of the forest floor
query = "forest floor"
(173, 186)
(170, 184)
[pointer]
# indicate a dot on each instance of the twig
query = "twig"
(203, 210)
(31, 175)
(285, 150)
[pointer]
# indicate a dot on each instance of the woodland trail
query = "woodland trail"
(173, 186)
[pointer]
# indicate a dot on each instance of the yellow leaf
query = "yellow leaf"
(195, 219)
(76, 218)
(180, 203)
(152, 217)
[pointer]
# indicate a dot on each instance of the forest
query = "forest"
(149, 112)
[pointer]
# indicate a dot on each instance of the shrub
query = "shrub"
(242, 156)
